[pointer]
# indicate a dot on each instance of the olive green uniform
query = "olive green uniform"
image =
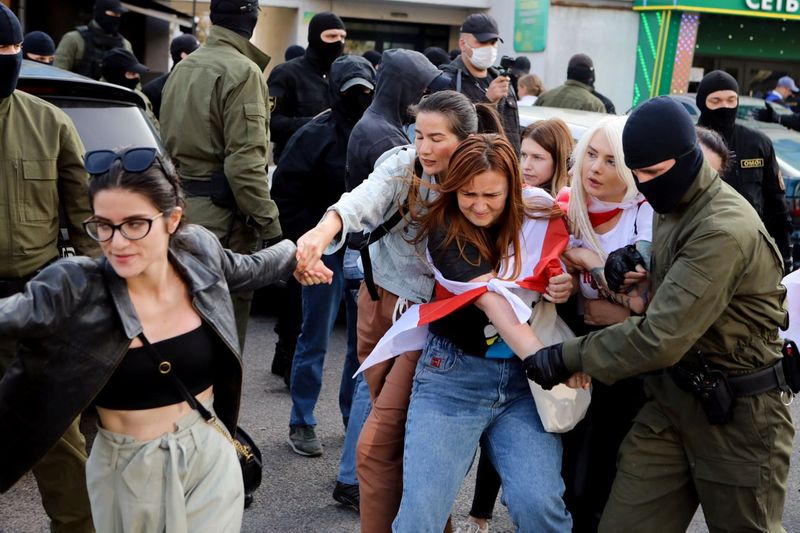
(715, 278)
(572, 95)
(42, 164)
(214, 117)
(72, 46)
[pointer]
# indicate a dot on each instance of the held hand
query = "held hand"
(559, 288)
(546, 367)
(579, 380)
(634, 278)
(603, 313)
(316, 275)
(310, 247)
(498, 89)
(583, 258)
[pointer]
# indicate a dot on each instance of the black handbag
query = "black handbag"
(246, 449)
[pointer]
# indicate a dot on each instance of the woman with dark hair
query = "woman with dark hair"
(400, 183)
(714, 149)
(469, 384)
(110, 331)
(546, 148)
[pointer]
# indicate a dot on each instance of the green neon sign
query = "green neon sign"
(783, 9)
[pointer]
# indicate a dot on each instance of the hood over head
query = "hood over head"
(402, 79)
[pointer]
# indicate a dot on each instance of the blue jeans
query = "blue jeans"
(358, 415)
(320, 306)
(457, 401)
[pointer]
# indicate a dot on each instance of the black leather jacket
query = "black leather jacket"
(75, 321)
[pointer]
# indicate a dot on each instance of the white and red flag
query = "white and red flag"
(542, 242)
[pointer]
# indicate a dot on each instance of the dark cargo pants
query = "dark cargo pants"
(672, 460)
(61, 474)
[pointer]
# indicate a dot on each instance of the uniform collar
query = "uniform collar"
(705, 180)
(225, 37)
(575, 83)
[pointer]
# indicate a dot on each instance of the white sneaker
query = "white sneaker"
(468, 526)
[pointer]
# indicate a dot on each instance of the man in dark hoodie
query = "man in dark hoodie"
(180, 47)
(299, 91)
(402, 79)
(82, 49)
(309, 178)
(754, 172)
(299, 88)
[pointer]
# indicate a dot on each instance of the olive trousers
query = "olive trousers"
(234, 235)
(673, 460)
(61, 474)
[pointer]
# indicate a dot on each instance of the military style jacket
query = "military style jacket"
(71, 52)
(716, 285)
(572, 95)
(214, 116)
(41, 164)
(75, 321)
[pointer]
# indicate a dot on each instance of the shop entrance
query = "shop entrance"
(363, 35)
(754, 51)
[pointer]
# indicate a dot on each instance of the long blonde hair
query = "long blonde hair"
(578, 214)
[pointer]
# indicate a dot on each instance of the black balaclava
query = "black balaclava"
(109, 23)
(186, 43)
(239, 16)
(658, 130)
(10, 33)
(322, 54)
(355, 101)
(723, 119)
(581, 68)
(39, 43)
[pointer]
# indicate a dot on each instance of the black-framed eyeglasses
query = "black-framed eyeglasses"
(132, 229)
(133, 159)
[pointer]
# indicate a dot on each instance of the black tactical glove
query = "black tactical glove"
(546, 367)
(767, 114)
(620, 262)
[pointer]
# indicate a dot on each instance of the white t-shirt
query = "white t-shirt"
(635, 224)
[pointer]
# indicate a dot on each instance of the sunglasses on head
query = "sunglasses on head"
(133, 160)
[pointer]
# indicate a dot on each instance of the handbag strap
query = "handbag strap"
(165, 368)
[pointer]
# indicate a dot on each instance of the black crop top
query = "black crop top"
(137, 383)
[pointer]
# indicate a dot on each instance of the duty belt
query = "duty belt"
(764, 380)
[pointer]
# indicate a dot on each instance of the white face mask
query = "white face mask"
(483, 57)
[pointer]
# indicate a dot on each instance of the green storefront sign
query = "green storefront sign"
(782, 9)
(530, 25)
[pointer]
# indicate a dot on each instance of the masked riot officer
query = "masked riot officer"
(41, 164)
(82, 49)
(214, 120)
(754, 172)
(300, 91)
(715, 430)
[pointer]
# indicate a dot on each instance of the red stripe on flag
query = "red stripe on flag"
(556, 239)
(435, 310)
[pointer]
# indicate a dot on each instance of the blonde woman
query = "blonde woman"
(605, 213)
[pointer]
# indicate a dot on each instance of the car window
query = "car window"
(788, 150)
(104, 125)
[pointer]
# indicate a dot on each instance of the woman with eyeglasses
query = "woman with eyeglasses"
(155, 464)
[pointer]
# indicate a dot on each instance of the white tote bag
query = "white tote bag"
(560, 408)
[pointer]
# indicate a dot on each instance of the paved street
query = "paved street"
(296, 493)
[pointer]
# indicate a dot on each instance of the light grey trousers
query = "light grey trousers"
(181, 482)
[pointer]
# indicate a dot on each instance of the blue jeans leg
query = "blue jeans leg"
(320, 305)
(358, 415)
(347, 386)
(528, 460)
(455, 399)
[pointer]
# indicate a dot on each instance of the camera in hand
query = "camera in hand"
(506, 62)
